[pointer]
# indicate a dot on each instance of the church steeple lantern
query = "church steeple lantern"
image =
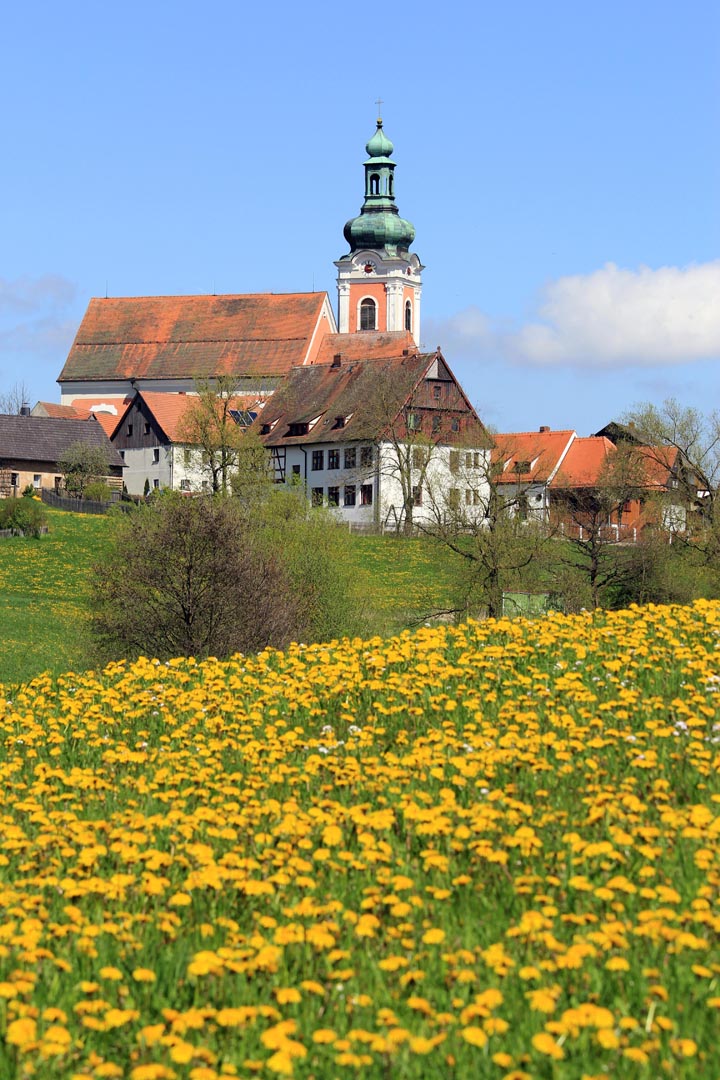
(379, 279)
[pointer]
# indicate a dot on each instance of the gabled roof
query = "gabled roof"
(169, 410)
(107, 410)
(50, 408)
(46, 438)
(166, 337)
(584, 463)
(530, 457)
(365, 345)
(351, 401)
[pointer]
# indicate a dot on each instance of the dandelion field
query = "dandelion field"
(490, 850)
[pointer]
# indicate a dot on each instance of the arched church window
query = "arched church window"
(374, 184)
(390, 186)
(368, 314)
(408, 315)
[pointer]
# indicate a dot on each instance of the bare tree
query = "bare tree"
(596, 511)
(685, 443)
(499, 546)
(12, 400)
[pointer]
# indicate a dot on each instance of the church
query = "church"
(339, 402)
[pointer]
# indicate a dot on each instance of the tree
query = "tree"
(12, 400)
(595, 510)
(685, 443)
(82, 464)
(203, 576)
(498, 547)
(212, 423)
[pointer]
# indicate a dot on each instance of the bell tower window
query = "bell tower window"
(408, 315)
(368, 314)
(374, 184)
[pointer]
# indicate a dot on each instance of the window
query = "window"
(366, 495)
(366, 455)
(205, 484)
(122, 454)
(187, 456)
(156, 455)
(468, 461)
(184, 485)
(436, 424)
(414, 421)
(368, 314)
(297, 429)
(455, 424)
(14, 479)
(129, 429)
(37, 479)
(417, 496)
(476, 459)
(453, 498)
(333, 496)
(350, 457)
(437, 391)
(349, 495)
(147, 428)
(318, 460)
(374, 184)
(476, 498)
(521, 466)
(316, 496)
(333, 459)
(296, 470)
(468, 497)
(156, 484)
(454, 460)
(408, 315)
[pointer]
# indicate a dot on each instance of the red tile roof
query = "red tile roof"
(51, 408)
(584, 463)
(366, 345)
(169, 409)
(527, 457)
(367, 394)
(165, 337)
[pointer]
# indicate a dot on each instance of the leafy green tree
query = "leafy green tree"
(211, 424)
(82, 464)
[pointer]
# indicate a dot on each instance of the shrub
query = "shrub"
(98, 491)
(27, 515)
(205, 577)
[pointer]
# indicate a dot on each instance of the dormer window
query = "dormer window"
(521, 466)
(296, 430)
(368, 314)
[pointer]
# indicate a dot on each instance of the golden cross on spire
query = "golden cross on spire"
(379, 102)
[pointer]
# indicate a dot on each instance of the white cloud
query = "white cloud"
(36, 329)
(610, 318)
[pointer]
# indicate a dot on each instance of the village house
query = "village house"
(32, 446)
(379, 440)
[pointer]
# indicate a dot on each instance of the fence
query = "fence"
(81, 506)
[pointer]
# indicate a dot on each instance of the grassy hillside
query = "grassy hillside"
(479, 851)
(43, 591)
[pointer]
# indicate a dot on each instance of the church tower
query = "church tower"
(379, 280)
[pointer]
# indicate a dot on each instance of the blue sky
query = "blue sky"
(560, 163)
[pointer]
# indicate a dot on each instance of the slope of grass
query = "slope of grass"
(43, 594)
(44, 591)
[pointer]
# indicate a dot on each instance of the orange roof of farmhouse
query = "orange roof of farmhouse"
(527, 457)
(170, 409)
(166, 337)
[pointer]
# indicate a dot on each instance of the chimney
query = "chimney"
(25, 409)
(337, 359)
(544, 429)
